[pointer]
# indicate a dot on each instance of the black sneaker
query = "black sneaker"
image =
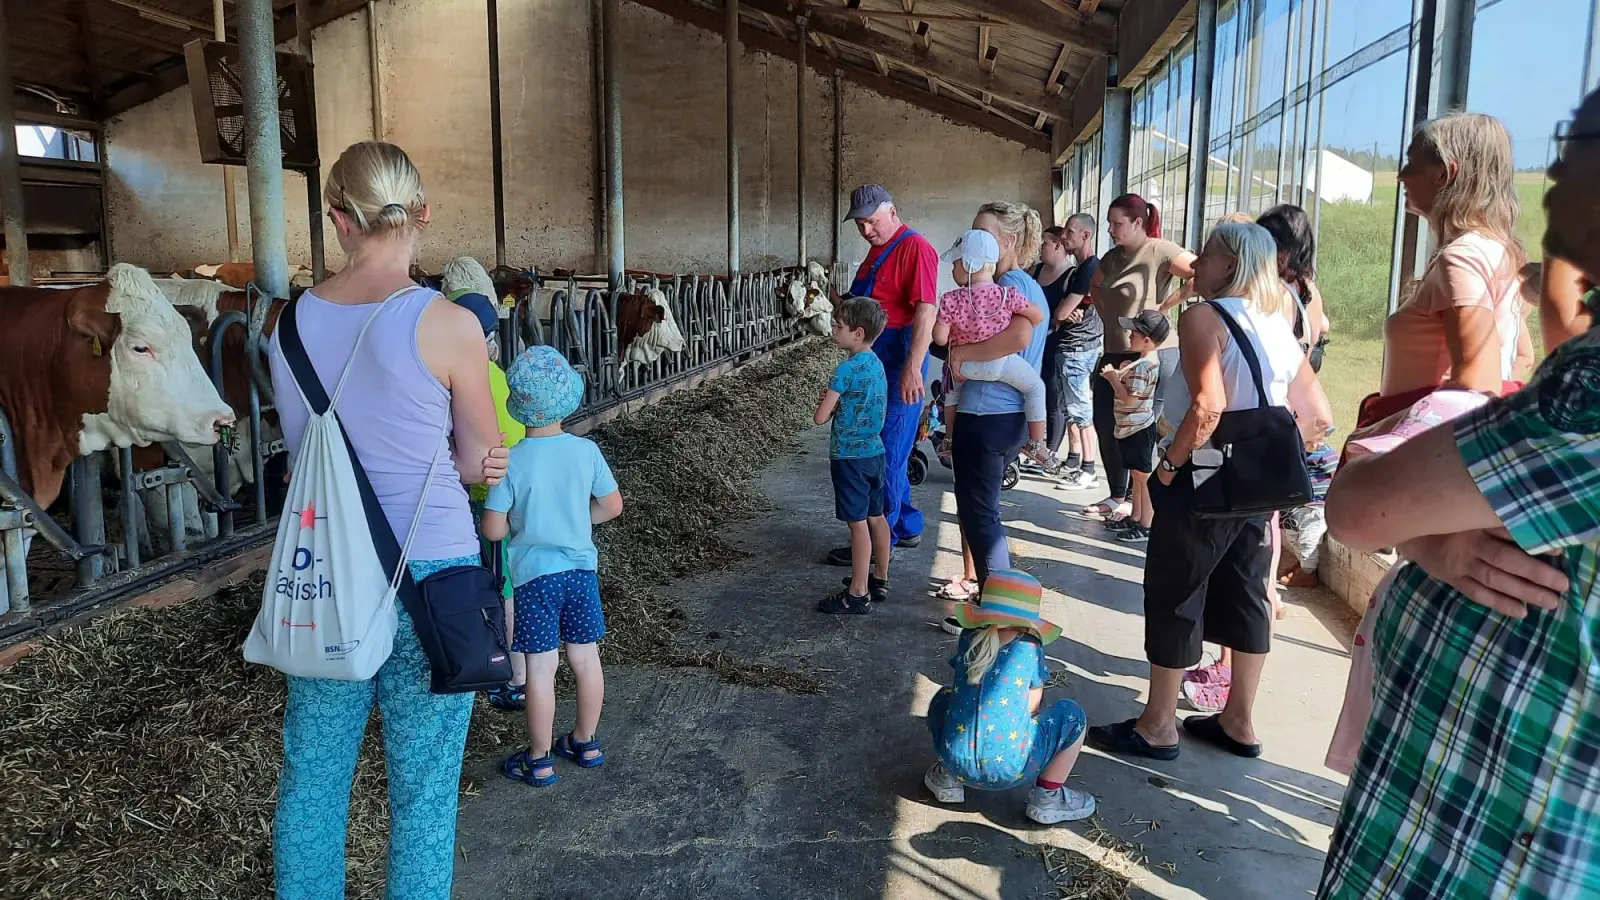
(877, 588)
(908, 543)
(838, 556)
(842, 604)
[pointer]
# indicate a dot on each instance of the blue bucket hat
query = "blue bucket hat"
(545, 389)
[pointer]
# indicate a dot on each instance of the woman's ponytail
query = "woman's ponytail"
(1136, 207)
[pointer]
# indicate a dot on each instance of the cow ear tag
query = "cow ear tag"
(98, 350)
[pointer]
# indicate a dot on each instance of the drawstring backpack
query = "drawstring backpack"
(327, 608)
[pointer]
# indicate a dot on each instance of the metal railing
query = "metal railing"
(721, 323)
(578, 316)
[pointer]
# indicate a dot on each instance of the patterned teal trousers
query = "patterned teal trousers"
(424, 738)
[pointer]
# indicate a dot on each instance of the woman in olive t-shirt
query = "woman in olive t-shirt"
(1135, 275)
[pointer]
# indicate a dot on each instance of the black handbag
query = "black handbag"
(458, 615)
(1263, 467)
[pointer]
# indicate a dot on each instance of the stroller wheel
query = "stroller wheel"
(917, 467)
(1012, 476)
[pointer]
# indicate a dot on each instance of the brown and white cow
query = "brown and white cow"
(112, 364)
(646, 328)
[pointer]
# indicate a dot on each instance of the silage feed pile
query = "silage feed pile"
(139, 754)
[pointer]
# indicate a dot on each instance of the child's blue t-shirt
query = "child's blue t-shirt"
(546, 494)
(863, 400)
(988, 728)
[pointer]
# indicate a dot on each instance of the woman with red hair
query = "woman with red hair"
(1135, 275)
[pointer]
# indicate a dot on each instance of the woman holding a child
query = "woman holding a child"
(990, 426)
(1212, 583)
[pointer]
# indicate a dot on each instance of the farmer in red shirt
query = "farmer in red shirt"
(901, 272)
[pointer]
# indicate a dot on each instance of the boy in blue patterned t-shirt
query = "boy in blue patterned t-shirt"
(856, 400)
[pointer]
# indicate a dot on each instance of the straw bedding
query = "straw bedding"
(139, 754)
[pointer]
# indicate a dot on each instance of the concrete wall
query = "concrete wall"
(167, 208)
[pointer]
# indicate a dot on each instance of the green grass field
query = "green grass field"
(1353, 261)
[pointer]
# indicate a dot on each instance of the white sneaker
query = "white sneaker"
(944, 786)
(1080, 480)
(1060, 805)
(951, 626)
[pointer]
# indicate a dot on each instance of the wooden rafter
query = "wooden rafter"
(1055, 83)
(1095, 34)
(756, 39)
(986, 51)
(882, 64)
(962, 70)
(1087, 7)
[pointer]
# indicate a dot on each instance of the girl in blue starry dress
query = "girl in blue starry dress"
(988, 731)
(558, 487)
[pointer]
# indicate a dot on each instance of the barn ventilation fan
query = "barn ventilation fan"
(216, 85)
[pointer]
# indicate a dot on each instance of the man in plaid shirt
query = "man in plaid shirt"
(1479, 776)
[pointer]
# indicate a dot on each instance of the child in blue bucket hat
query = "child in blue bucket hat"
(556, 489)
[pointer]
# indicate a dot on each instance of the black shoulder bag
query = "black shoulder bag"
(458, 614)
(1263, 468)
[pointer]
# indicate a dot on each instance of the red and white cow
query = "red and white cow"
(109, 365)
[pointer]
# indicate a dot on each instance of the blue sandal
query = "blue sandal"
(521, 766)
(568, 748)
(509, 697)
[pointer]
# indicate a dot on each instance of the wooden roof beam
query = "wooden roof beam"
(1096, 33)
(1087, 7)
(962, 70)
(711, 20)
(986, 52)
(1057, 80)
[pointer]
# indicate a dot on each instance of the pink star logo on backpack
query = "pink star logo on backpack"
(308, 516)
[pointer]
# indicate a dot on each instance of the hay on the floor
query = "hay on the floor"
(1106, 870)
(139, 754)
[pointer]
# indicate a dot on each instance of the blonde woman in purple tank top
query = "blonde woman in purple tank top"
(422, 363)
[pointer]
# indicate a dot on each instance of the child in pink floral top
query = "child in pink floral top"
(978, 310)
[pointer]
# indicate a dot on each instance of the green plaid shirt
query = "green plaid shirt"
(1479, 776)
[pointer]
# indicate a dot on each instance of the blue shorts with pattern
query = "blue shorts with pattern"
(560, 608)
(995, 768)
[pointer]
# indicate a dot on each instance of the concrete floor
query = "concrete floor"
(717, 790)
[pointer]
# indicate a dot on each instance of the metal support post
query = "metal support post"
(264, 147)
(374, 71)
(1114, 139)
(1205, 66)
(731, 42)
(613, 84)
(230, 190)
(302, 22)
(12, 216)
(88, 516)
(838, 155)
(496, 139)
(800, 134)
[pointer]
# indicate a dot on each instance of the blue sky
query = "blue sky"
(1526, 69)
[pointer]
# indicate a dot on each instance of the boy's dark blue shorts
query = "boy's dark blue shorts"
(556, 609)
(858, 488)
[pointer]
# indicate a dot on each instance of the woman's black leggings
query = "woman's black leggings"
(1105, 425)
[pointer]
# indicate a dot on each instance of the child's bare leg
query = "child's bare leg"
(878, 528)
(1060, 766)
(1143, 513)
(541, 701)
(860, 558)
(1036, 431)
(585, 662)
(519, 661)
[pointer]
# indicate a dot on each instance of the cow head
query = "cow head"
(158, 389)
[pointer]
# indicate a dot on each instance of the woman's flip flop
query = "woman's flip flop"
(1209, 729)
(1123, 740)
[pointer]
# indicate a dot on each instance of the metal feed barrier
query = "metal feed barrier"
(722, 323)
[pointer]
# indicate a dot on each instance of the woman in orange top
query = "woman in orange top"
(1460, 328)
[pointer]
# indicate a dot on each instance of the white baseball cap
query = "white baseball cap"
(976, 249)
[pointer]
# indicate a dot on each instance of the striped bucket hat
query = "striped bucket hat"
(1010, 599)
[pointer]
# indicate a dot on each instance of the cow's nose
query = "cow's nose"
(223, 421)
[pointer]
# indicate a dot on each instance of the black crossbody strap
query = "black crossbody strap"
(316, 397)
(1246, 348)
